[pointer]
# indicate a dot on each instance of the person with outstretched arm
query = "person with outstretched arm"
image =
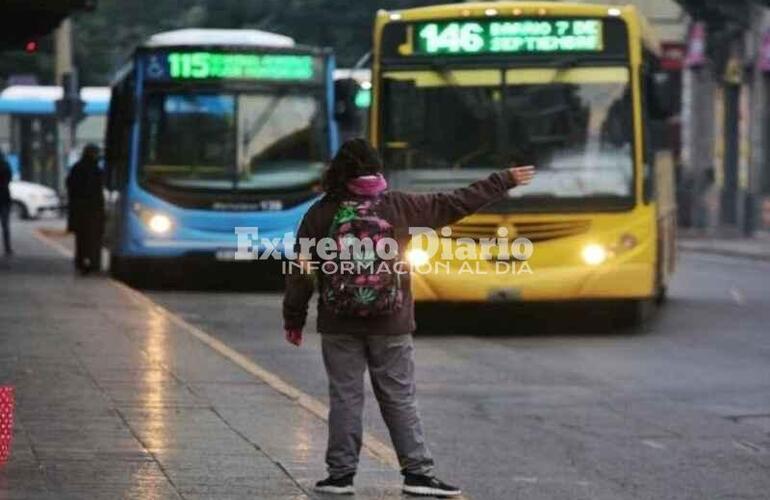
(366, 315)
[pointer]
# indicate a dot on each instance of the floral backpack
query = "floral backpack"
(361, 283)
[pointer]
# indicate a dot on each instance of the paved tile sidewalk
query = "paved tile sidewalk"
(115, 400)
(757, 247)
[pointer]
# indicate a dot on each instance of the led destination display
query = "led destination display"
(200, 65)
(508, 36)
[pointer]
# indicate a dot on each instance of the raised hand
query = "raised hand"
(522, 175)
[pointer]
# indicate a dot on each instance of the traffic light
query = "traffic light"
(31, 46)
(24, 20)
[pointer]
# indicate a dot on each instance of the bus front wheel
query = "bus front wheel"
(634, 313)
(121, 268)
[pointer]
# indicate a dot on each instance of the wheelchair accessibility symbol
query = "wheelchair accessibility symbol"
(156, 70)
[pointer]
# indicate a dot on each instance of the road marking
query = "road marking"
(548, 480)
(748, 446)
(41, 236)
(654, 444)
(737, 296)
(376, 448)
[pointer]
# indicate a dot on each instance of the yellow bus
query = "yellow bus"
(463, 89)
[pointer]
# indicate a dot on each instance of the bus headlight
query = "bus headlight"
(417, 257)
(159, 223)
(594, 254)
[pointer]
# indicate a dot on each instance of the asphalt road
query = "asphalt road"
(552, 405)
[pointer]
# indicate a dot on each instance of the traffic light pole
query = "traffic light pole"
(63, 56)
(69, 110)
(67, 78)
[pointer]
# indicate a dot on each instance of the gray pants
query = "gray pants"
(390, 360)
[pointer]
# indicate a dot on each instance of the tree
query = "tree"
(105, 38)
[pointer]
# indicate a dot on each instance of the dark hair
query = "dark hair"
(91, 150)
(356, 157)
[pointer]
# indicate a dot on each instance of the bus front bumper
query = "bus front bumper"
(498, 282)
(220, 249)
(215, 245)
(209, 235)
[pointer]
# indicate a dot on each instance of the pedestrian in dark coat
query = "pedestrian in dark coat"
(85, 189)
(5, 202)
(380, 343)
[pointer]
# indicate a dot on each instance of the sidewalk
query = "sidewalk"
(757, 247)
(119, 399)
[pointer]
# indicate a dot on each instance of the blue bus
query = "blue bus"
(209, 130)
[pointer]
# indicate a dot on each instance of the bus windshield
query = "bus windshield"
(257, 141)
(442, 128)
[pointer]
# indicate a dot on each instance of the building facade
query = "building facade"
(726, 124)
(723, 168)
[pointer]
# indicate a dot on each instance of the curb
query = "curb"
(724, 253)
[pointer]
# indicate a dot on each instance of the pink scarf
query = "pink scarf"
(367, 185)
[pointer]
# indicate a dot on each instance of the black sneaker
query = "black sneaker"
(337, 486)
(416, 484)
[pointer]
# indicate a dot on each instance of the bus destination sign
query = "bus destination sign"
(202, 65)
(524, 36)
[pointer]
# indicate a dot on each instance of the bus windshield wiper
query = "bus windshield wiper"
(559, 66)
(516, 105)
(451, 82)
(259, 124)
(563, 65)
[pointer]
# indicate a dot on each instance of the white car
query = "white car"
(30, 200)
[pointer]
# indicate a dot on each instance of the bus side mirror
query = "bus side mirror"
(120, 119)
(662, 98)
(648, 184)
(345, 100)
(109, 160)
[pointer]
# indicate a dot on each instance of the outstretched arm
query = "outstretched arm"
(439, 209)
